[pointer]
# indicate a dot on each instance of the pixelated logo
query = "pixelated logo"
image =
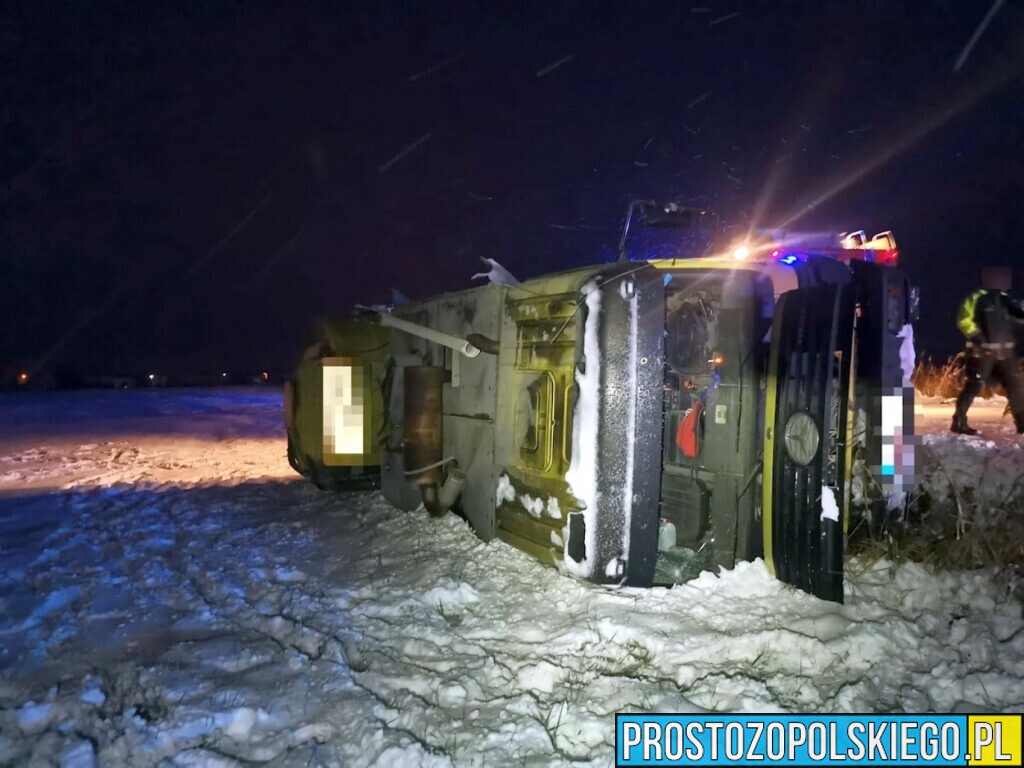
(345, 411)
(898, 443)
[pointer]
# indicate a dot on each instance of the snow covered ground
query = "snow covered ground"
(171, 593)
(988, 469)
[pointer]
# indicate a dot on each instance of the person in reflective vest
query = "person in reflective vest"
(988, 319)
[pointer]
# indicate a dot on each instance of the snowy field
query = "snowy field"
(171, 593)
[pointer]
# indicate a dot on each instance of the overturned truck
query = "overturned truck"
(628, 419)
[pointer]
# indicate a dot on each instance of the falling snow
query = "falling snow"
(723, 19)
(555, 65)
(407, 150)
(698, 100)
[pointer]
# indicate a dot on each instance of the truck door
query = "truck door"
(804, 482)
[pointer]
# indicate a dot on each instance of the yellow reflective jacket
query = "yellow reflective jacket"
(965, 318)
(990, 317)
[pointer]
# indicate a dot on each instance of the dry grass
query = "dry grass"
(962, 530)
(946, 380)
(952, 526)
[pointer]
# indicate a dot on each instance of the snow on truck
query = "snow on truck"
(636, 421)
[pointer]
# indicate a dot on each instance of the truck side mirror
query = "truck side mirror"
(670, 215)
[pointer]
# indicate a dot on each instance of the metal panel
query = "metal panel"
(413, 350)
(724, 519)
(462, 314)
(471, 399)
(395, 487)
(631, 337)
(882, 293)
(471, 442)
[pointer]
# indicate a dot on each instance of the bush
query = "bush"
(949, 523)
(946, 381)
(943, 381)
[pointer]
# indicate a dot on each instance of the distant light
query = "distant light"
(266, 376)
(23, 378)
(775, 253)
(789, 260)
(152, 376)
(224, 375)
(741, 253)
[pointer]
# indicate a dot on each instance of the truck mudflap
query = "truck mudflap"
(805, 459)
(616, 449)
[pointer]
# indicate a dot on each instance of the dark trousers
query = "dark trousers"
(983, 370)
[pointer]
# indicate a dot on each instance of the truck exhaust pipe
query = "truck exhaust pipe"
(438, 501)
(422, 444)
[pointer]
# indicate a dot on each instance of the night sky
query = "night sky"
(187, 185)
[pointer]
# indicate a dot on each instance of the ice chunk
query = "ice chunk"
(614, 568)
(56, 601)
(410, 754)
(289, 575)
(908, 356)
(505, 490)
(542, 676)
(534, 506)
(237, 723)
(895, 501)
(829, 506)
(94, 696)
(33, 718)
(666, 535)
(457, 594)
(81, 755)
(553, 509)
(497, 274)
